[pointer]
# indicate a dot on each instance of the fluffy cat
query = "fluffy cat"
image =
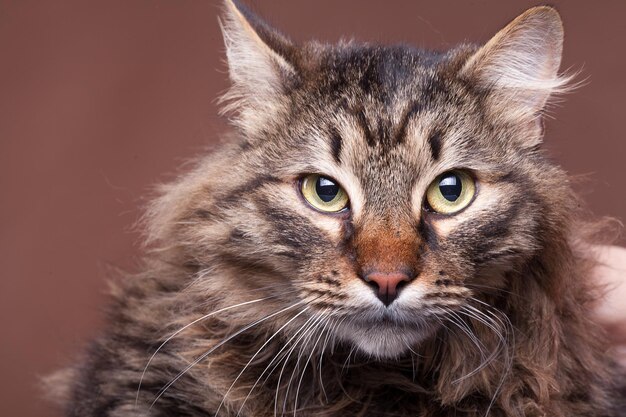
(383, 236)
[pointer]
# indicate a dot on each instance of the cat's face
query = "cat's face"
(383, 187)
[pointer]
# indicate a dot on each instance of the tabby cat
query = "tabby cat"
(383, 236)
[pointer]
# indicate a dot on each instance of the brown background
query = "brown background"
(99, 100)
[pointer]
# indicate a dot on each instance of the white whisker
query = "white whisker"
(309, 325)
(276, 359)
(305, 341)
(326, 340)
(504, 345)
(295, 406)
(255, 355)
(173, 335)
(462, 325)
(207, 353)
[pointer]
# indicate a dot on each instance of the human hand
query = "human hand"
(611, 312)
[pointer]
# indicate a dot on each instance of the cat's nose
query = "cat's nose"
(389, 284)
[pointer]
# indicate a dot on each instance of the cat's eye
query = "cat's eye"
(324, 193)
(450, 192)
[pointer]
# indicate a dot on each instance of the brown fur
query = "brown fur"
(254, 304)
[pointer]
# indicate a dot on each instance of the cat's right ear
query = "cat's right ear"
(259, 68)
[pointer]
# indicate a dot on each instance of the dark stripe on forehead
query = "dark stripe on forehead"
(434, 141)
(336, 143)
(362, 120)
(413, 110)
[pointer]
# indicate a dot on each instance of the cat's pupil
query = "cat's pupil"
(326, 189)
(450, 186)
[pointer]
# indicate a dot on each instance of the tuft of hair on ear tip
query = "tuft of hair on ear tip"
(260, 67)
(248, 35)
(565, 83)
(520, 64)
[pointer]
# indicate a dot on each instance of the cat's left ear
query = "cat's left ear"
(258, 64)
(518, 67)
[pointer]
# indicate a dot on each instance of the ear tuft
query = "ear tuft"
(257, 62)
(520, 64)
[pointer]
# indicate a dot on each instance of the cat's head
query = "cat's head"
(384, 187)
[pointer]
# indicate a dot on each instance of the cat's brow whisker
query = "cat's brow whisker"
(223, 342)
(182, 329)
(256, 354)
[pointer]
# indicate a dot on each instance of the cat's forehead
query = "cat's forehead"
(375, 75)
(386, 113)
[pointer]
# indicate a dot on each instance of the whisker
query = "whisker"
(489, 309)
(295, 406)
(492, 356)
(483, 318)
(299, 332)
(509, 329)
(276, 359)
(173, 335)
(462, 325)
(286, 360)
(509, 362)
(310, 334)
(207, 353)
(347, 361)
(326, 340)
(413, 353)
(255, 355)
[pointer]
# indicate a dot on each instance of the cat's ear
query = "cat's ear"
(259, 65)
(519, 66)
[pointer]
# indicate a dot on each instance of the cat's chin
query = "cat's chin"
(385, 340)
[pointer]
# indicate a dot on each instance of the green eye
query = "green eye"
(450, 192)
(324, 193)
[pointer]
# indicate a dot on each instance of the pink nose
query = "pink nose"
(388, 284)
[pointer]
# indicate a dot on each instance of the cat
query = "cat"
(382, 235)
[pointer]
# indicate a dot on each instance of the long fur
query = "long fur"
(251, 303)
